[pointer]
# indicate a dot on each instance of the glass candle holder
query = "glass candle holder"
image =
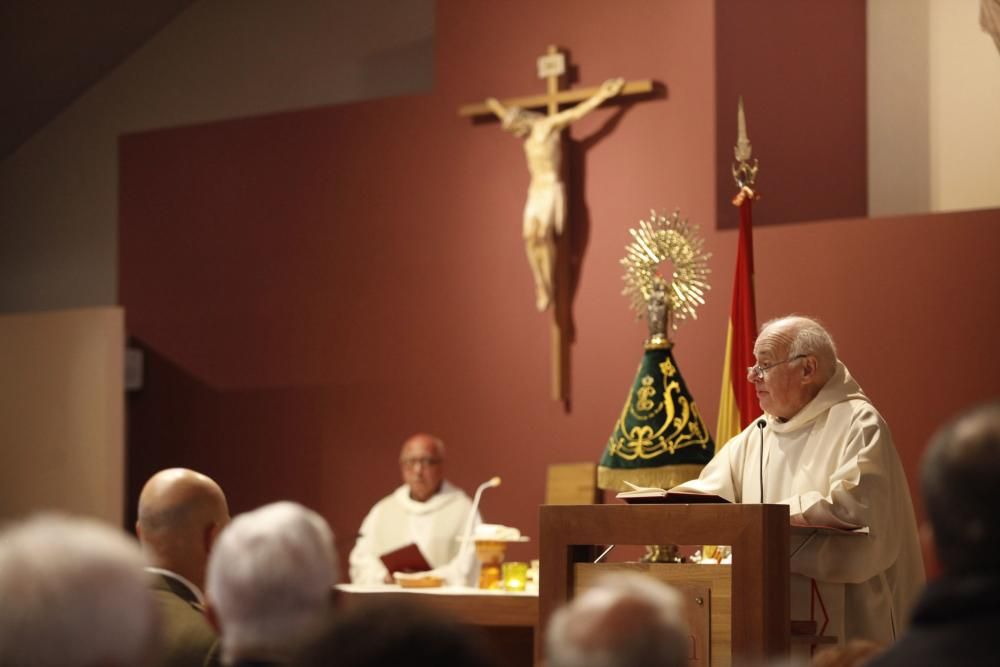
(490, 554)
(515, 575)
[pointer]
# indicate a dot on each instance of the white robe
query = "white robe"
(833, 464)
(398, 520)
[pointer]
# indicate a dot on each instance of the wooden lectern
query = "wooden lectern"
(758, 535)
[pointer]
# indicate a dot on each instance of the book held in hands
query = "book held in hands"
(405, 559)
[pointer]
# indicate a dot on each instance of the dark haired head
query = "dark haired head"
(960, 476)
(380, 633)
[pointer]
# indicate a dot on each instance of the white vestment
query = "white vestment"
(398, 520)
(833, 464)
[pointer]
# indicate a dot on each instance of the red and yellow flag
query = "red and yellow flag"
(738, 405)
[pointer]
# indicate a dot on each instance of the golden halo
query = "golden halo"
(672, 239)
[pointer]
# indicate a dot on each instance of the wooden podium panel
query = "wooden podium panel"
(571, 484)
(758, 535)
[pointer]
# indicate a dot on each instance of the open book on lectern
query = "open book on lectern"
(653, 494)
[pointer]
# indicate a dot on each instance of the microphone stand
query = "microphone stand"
(760, 426)
(467, 533)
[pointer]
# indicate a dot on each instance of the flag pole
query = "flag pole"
(737, 405)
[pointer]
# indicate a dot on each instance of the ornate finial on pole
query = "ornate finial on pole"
(744, 173)
(743, 148)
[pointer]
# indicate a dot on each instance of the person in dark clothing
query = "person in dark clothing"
(181, 512)
(958, 614)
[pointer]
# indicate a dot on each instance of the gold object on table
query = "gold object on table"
(491, 554)
(417, 580)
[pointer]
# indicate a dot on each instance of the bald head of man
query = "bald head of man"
(421, 462)
(180, 514)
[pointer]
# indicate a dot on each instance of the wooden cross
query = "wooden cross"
(551, 67)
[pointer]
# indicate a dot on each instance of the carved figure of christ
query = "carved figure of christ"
(544, 218)
(545, 208)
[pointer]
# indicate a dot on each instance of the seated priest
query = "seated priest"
(824, 450)
(426, 510)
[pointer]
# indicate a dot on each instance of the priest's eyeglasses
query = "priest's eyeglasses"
(755, 373)
(426, 461)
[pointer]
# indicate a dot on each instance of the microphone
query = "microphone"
(467, 533)
(761, 423)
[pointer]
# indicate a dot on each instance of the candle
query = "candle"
(515, 575)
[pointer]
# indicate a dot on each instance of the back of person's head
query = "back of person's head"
(626, 620)
(73, 593)
(181, 512)
(960, 475)
(270, 580)
(377, 633)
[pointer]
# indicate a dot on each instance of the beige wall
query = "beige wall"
(61, 406)
(965, 109)
(220, 59)
(933, 104)
(898, 143)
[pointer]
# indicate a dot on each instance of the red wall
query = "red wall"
(312, 287)
(801, 70)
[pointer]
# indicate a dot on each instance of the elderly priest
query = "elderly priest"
(426, 510)
(825, 451)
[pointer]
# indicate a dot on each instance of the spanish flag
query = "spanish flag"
(738, 405)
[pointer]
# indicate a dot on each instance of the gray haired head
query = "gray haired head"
(73, 593)
(270, 579)
(625, 620)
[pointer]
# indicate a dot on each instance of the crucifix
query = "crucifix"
(546, 237)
